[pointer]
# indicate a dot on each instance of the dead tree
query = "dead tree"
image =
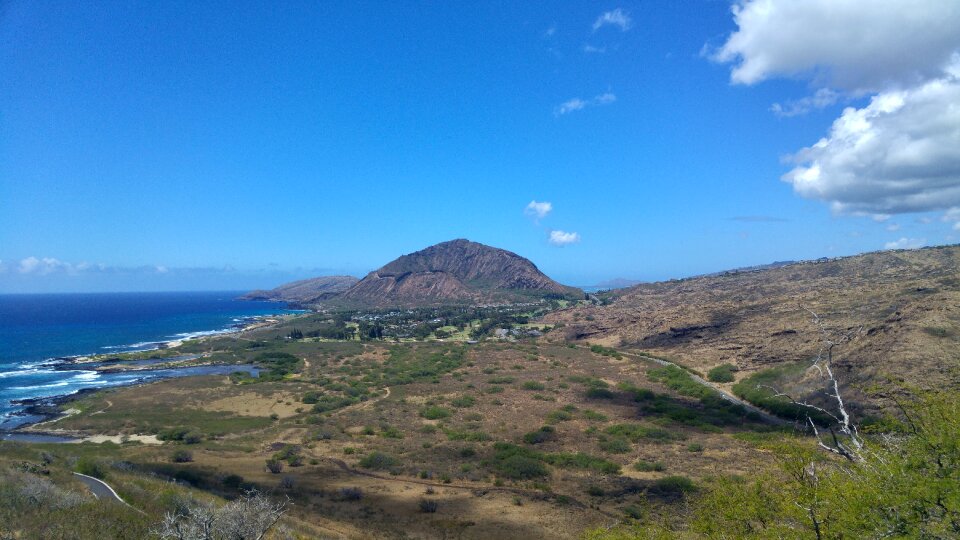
(248, 518)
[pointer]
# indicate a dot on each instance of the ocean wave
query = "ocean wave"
(134, 345)
(22, 372)
(86, 376)
(39, 386)
(192, 335)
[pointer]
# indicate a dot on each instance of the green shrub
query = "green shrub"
(378, 461)
(722, 373)
(673, 485)
(182, 456)
(637, 432)
(594, 416)
(519, 467)
(615, 445)
(541, 435)
(91, 467)
(649, 466)
(757, 389)
(464, 402)
(533, 385)
(599, 393)
(694, 447)
(435, 412)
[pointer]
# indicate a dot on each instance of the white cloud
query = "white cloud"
(900, 153)
(617, 18)
(44, 266)
(562, 238)
(893, 227)
(906, 243)
(577, 104)
(570, 105)
(850, 44)
(591, 49)
(823, 97)
(538, 210)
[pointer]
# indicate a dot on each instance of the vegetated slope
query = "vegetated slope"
(908, 303)
(458, 271)
(306, 291)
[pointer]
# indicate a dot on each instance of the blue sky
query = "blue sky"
(205, 145)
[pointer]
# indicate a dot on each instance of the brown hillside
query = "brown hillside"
(908, 303)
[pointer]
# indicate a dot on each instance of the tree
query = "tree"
(248, 518)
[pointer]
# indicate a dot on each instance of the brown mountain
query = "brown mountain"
(907, 302)
(306, 291)
(458, 271)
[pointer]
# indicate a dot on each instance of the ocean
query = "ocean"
(36, 329)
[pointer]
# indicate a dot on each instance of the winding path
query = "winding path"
(102, 491)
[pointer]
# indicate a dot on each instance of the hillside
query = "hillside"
(906, 301)
(458, 271)
(306, 291)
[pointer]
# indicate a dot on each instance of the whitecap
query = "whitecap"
(54, 385)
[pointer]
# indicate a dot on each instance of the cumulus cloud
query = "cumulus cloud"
(900, 153)
(617, 18)
(538, 210)
(823, 97)
(906, 243)
(850, 44)
(562, 238)
(576, 104)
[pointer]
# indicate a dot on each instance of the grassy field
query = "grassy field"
(430, 439)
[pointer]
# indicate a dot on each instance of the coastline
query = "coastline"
(48, 409)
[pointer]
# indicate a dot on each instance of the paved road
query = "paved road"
(99, 488)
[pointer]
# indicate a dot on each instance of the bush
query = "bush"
(694, 447)
(182, 456)
(379, 461)
(435, 412)
(464, 402)
(520, 467)
(541, 435)
(599, 393)
(533, 385)
(275, 466)
(427, 506)
(192, 437)
(673, 485)
(615, 445)
(232, 481)
(649, 466)
(722, 373)
(595, 491)
(91, 467)
(349, 494)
